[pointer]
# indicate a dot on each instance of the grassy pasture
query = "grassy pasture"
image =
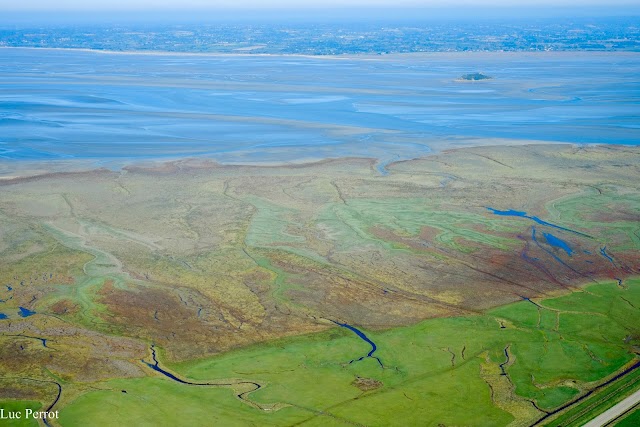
(440, 371)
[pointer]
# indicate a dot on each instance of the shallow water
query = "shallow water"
(25, 312)
(558, 243)
(57, 104)
(511, 212)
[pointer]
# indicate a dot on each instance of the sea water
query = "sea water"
(65, 104)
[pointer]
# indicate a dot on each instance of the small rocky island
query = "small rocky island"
(475, 77)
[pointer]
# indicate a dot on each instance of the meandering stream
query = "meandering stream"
(366, 339)
(242, 395)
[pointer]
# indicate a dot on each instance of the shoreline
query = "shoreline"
(35, 169)
(38, 168)
(346, 56)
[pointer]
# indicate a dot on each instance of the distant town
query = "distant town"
(584, 34)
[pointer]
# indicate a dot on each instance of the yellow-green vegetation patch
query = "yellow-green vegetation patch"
(269, 224)
(609, 212)
(407, 216)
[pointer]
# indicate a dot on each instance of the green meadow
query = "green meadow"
(631, 420)
(599, 402)
(20, 407)
(446, 371)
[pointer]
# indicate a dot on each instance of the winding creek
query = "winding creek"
(254, 386)
(55, 401)
(603, 252)
(506, 362)
(364, 338)
(511, 212)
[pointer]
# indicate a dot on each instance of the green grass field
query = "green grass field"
(597, 403)
(630, 420)
(15, 406)
(441, 371)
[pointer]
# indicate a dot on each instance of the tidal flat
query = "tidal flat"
(113, 109)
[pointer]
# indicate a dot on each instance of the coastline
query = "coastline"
(18, 170)
(364, 56)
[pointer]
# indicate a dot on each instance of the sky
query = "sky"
(156, 5)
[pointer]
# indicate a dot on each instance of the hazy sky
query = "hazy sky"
(85, 5)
